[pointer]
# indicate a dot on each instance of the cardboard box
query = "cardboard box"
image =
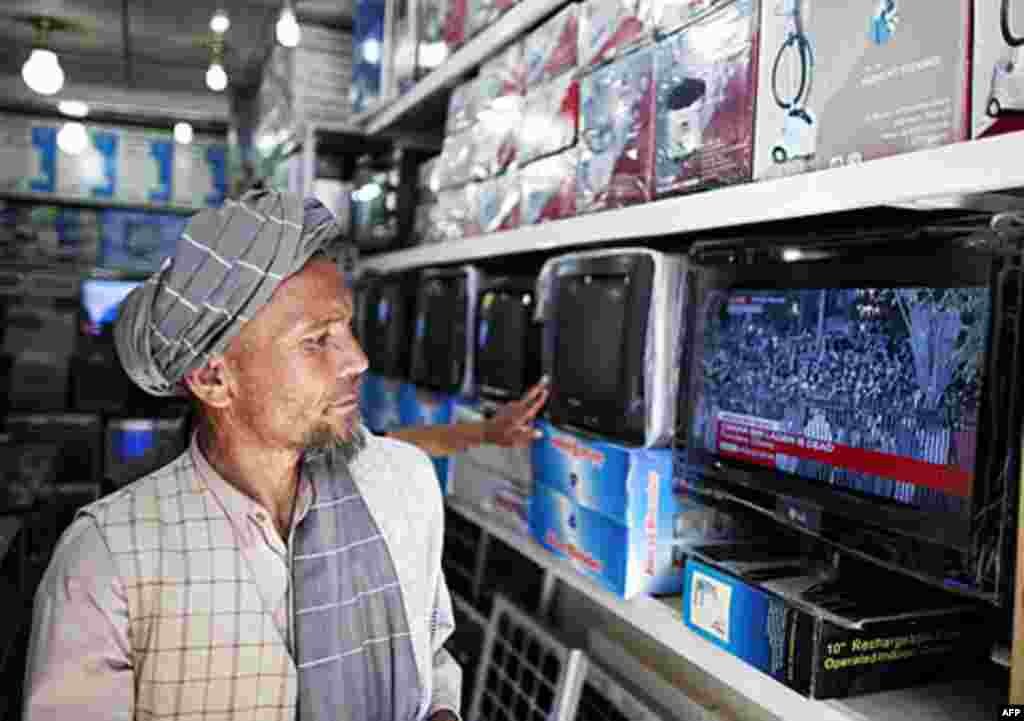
(455, 164)
(841, 83)
(495, 137)
(549, 188)
(421, 407)
(462, 108)
(496, 481)
(552, 49)
(616, 164)
(818, 656)
(484, 13)
(380, 399)
(671, 15)
(496, 204)
(707, 81)
(998, 68)
(550, 118)
(610, 28)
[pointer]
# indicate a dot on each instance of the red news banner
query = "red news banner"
(758, 440)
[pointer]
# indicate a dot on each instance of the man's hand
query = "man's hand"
(511, 425)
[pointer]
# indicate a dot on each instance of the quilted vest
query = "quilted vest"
(204, 645)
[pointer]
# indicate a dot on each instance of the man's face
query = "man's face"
(297, 366)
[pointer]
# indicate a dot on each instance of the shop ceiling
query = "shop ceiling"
(154, 45)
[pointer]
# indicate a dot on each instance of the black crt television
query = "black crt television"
(388, 307)
(508, 341)
(442, 347)
(863, 397)
(600, 308)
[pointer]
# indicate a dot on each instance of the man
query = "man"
(287, 565)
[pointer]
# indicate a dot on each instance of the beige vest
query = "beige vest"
(204, 645)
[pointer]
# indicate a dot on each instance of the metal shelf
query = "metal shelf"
(54, 199)
(967, 175)
(661, 619)
(509, 28)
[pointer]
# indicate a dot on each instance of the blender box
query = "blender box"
(549, 188)
(707, 78)
(379, 399)
(422, 407)
(841, 83)
(552, 48)
(496, 481)
(822, 654)
(609, 28)
(496, 204)
(998, 68)
(550, 115)
(616, 163)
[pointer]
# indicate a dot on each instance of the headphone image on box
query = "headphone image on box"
(1007, 92)
(792, 80)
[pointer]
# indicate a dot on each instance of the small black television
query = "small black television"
(507, 338)
(596, 341)
(862, 396)
(442, 347)
(387, 309)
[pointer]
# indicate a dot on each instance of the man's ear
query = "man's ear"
(210, 383)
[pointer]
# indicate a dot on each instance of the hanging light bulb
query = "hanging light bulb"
(220, 22)
(216, 78)
(42, 72)
(288, 27)
(72, 138)
(182, 133)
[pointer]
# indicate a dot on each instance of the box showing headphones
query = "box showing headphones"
(707, 82)
(422, 407)
(616, 162)
(549, 188)
(998, 68)
(380, 399)
(822, 654)
(843, 83)
(550, 117)
(496, 481)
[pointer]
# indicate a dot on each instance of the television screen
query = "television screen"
(872, 390)
(504, 329)
(434, 330)
(138, 242)
(100, 301)
(591, 318)
(385, 326)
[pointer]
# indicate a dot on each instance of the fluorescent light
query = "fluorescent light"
(288, 27)
(72, 138)
(792, 255)
(371, 51)
(73, 108)
(220, 22)
(42, 72)
(182, 133)
(216, 78)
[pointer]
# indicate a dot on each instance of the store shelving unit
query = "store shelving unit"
(661, 619)
(96, 203)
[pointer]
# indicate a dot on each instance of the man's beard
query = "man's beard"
(324, 438)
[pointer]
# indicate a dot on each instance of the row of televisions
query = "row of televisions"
(865, 392)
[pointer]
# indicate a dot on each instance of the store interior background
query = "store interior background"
(297, 119)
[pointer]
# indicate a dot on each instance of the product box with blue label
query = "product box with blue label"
(421, 407)
(494, 480)
(869, 642)
(379, 397)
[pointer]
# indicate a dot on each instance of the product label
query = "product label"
(710, 603)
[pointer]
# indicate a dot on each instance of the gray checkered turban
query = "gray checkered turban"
(227, 264)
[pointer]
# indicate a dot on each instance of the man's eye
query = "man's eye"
(319, 340)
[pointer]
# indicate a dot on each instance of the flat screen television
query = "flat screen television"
(138, 242)
(100, 300)
(507, 338)
(609, 375)
(853, 397)
(387, 324)
(442, 348)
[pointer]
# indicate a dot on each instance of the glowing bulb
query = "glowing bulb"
(371, 51)
(220, 22)
(73, 108)
(182, 133)
(433, 54)
(42, 73)
(288, 28)
(216, 78)
(792, 255)
(72, 138)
